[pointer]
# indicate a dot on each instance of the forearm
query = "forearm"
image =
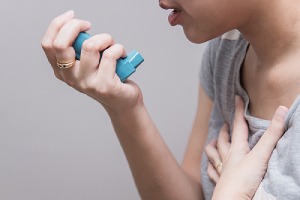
(156, 172)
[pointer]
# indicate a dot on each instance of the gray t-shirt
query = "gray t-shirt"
(220, 77)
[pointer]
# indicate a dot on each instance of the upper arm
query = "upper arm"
(192, 159)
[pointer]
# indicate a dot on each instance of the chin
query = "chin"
(196, 38)
(199, 37)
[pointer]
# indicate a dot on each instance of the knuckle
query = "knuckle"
(74, 23)
(120, 46)
(57, 45)
(108, 55)
(238, 119)
(57, 75)
(209, 171)
(120, 49)
(89, 46)
(108, 37)
(245, 149)
(70, 82)
(83, 87)
(93, 87)
(271, 129)
(46, 44)
(279, 122)
(87, 86)
(223, 131)
(271, 135)
(100, 88)
(276, 120)
(56, 22)
(207, 149)
(276, 126)
(219, 143)
(104, 91)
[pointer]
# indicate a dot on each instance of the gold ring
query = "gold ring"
(219, 165)
(66, 65)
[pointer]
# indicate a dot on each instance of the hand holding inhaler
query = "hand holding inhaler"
(125, 66)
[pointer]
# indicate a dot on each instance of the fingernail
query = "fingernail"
(69, 13)
(88, 23)
(281, 111)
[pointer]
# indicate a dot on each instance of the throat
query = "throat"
(268, 88)
(263, 108)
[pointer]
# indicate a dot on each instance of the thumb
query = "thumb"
(265, 146)
(240, 127)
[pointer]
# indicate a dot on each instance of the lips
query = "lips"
(174, 17)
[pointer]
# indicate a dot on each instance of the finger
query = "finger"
(212, 173)
(240, 128)
(51, 33)
(213, 154)
(90, 53)
(223, 142)
(107, 67)
(65, 38)
(265, 146)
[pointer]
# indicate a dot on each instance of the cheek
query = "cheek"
(204, 28)
(205, 19)
(199, 33)
(196, 25)
(194, 37)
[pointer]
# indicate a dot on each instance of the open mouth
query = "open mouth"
(174, 16)
(175, 10)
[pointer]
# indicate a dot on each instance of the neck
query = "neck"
(273, 31)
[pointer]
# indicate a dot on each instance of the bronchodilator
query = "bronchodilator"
(125, 66)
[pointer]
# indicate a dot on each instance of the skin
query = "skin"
(271, 63)
(242, 170)
(274, 47)
(155, 170)
(203, 20)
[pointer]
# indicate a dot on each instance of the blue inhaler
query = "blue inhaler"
(125, 66)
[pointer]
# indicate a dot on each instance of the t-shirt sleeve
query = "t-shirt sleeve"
(206, 70)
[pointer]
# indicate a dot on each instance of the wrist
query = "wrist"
(229, 196)
(130, 122)
(126, 113)
(130, 102)
(228, 191)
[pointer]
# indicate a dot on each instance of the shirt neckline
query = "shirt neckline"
(255, 122)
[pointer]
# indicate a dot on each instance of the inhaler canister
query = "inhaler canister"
(125, 66)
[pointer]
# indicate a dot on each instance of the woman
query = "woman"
(156, 172)
(243, 169)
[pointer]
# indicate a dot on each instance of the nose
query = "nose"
(162, 5)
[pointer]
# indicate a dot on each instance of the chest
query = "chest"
(268, 88)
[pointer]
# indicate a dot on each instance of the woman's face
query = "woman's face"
(203, 20)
